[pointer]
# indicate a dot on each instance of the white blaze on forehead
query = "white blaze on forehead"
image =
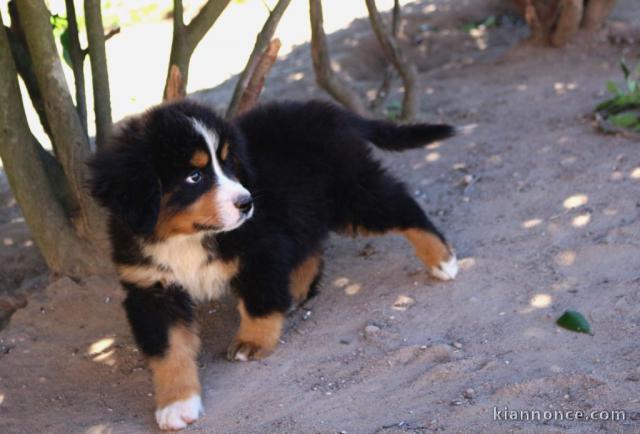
(228, 190)
(212, 140)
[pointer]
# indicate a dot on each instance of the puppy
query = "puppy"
(198, 205)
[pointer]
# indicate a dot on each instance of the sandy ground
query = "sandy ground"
(549, 221)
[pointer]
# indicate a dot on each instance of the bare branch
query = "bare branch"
(186, 37)
(99, 72)
(262, 42)
(77, 62)
(175, 88)
(252, 92)
(325, 75)
(385, 87)
(201, 23)
(395, 56)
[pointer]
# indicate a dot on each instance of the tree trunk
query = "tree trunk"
(568, 22)
(556, 22)
(262, 42)
(325, 76)
(396, 57)
(99, 72)
(69, 139)
(62, 249)
(596, 13)
(24, 65)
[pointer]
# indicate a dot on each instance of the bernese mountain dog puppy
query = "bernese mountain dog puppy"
(199, 205)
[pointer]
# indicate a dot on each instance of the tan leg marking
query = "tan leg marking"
(302, 277)
(175, 375)
(436, 255)
(429, 248)
(257, 337)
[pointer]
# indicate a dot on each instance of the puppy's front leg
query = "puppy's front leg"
(162, 323)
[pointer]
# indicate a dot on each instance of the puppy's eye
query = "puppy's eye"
(194, 177)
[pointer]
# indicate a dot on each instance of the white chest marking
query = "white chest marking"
(186, 262)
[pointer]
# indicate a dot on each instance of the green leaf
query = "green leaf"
(65, 41)
(574, 321)
(625, 69)
(624, 120)
(632, 85)
(491, 21)
(612, 87)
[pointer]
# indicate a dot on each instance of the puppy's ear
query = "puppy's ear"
(124, 181)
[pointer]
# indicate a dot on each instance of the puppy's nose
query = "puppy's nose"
(244, 203)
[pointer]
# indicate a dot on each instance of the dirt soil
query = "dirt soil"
(543, 210)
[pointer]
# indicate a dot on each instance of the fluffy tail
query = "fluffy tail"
(392, 137)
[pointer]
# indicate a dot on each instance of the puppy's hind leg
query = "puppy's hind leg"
(305, 277)
(263, 291)
(383, 205)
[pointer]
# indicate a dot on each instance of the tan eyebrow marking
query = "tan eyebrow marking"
(200, 159)
(224, 153)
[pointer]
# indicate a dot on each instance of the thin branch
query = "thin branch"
(252, 92)
(201, 23)
(110, 34)
(77, 62)
(385, 87)
(394, 55)
(99, 72)
(262, 42)
(325, 76)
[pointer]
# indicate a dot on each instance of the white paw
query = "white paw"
(179, 414)
(242, 356)
(446, 270)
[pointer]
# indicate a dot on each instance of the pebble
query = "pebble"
(371, 329)
(456, 402)
(469, 393)
(457, 345)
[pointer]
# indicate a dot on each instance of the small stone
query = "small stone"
(371, 329)
(345, 341)
(469, 393)
(457, 402)
(306, 315)
(457, 345)
(635, 375)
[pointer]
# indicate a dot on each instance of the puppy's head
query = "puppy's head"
(176, 169)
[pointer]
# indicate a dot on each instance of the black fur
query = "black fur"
(151, 311)
(309, 168)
